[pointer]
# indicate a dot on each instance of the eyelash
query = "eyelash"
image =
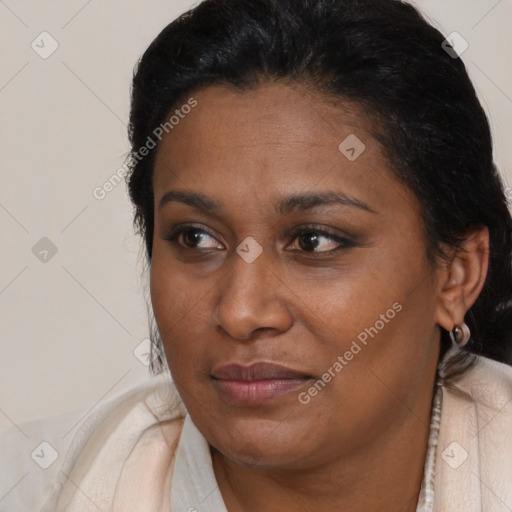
(344, 243)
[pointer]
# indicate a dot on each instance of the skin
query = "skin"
(360, 443)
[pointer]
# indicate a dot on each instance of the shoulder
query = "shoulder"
(488, 383)
(485, 392)
(475, 445)
(47, 460)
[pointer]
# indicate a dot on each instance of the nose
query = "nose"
(253, 299)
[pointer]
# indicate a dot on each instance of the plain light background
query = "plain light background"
(69, 325)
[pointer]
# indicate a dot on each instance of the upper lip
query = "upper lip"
(257, 371)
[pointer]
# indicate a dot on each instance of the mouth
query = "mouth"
(257, 383)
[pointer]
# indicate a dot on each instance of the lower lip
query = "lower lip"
(258, 391)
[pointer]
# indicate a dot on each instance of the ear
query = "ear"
(462, 278)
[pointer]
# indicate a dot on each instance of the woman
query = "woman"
(329, 249)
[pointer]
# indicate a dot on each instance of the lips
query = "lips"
(257, 383)
(257, 371)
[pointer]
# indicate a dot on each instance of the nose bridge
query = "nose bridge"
(252, 296)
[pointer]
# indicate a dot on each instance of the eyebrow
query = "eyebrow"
(292, 203)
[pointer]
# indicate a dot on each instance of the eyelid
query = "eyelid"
(318, 228)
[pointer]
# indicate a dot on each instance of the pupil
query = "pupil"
(191, 237)
(312, 236)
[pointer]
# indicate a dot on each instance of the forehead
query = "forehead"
(273, 114)
(271, 141)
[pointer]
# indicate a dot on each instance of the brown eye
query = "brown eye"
(309, 240)
(192, 238)
(319, 241)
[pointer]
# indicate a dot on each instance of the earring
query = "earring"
(460, 335)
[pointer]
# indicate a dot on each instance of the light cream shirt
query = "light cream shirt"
(141, 452)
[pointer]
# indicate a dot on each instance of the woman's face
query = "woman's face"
(301, 249)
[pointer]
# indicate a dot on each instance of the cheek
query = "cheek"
(163, 295)
(380, 315)
(180, 307)
(171, 301)
(347, 302)
(392, 341)
(173, 294)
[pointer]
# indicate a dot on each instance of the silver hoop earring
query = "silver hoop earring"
(460, 335)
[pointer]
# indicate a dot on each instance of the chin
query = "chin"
(264, 451)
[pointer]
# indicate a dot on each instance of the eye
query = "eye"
(312, 239)
(192, 238)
